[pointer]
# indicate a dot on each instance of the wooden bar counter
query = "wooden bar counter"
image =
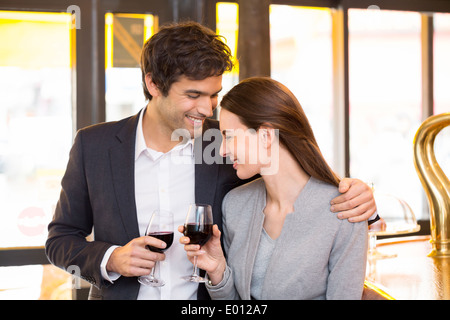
(411, 275)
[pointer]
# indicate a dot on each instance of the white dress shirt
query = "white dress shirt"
(163, 181)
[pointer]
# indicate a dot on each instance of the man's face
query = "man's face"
(188, 103)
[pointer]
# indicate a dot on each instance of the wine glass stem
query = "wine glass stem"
(372, 243)
(153, 270)
(194, 272)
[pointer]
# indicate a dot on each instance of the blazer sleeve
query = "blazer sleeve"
(347, 262)
(66, 246)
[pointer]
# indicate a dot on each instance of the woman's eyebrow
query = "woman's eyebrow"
(225, 131)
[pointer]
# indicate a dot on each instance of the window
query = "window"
(227, 25)
(125, 35)
(441, 85)
(385, 100)
(35, 102)
(301, 59)
(385, 87)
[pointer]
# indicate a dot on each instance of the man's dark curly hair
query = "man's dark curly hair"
(188, 49)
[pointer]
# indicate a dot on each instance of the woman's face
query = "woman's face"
(241, 144)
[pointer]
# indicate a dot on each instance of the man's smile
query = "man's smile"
(195, 120)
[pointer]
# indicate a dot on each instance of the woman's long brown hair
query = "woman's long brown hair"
(263, 101)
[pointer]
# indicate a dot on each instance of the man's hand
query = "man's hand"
(356, 202)
(134, 259)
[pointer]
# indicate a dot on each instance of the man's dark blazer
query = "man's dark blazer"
(98, 196)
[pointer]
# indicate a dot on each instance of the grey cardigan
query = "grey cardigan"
(317, 255)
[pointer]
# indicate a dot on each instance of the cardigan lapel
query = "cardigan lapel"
(254, 235)
(122, 167)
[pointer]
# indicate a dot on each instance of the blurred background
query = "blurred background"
(367, 74)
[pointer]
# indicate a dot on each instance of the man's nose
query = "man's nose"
(206, 107)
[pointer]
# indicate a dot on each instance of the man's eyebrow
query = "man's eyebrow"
(194, 91)
(202, 93)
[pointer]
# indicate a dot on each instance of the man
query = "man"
(119, 172)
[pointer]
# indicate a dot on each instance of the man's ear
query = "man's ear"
(151, 86)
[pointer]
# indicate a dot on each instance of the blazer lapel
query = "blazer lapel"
(122, 165)
(206, 153)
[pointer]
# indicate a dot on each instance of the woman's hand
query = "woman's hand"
(209, 257)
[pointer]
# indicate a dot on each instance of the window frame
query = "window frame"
(340, 40)
(89, 72)
(340, 36)
(88, 75)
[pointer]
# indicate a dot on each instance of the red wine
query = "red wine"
(166, 236)
(197, 233)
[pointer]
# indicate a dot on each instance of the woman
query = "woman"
(280, 238)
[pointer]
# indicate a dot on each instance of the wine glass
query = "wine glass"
(160, 227)
(398, 218)
(198, 228)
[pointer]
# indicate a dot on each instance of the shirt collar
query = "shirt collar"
(184, 148)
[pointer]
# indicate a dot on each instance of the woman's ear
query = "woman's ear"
(269, 154)
(151, 86)
(267, 135)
